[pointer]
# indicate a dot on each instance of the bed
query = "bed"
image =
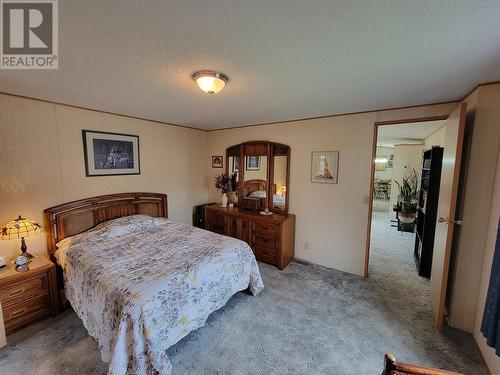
(257, 189)
(139, 282)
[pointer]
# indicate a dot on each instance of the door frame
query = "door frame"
(372, 172)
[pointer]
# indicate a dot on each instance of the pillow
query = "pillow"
(258, 194)
(114, 228)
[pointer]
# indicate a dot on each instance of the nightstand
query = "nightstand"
(28, 296)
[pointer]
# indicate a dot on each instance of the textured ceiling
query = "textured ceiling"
(285, 59)
(415, 132)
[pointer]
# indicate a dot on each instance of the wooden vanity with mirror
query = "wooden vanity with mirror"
(263, 175)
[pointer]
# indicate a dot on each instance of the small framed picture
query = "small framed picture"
(253, 163)
(216, 161)
(108, 154)
(325, 167)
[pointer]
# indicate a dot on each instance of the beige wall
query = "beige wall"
(436, 138)
(406, 159)
(41, 159)
(489, 355)
(332, 218)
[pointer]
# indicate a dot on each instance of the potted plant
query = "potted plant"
(407, 199)
(223, 183)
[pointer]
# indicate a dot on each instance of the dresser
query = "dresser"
(272, 238)
(28, 296)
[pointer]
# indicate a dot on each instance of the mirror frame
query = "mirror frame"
(261, 148)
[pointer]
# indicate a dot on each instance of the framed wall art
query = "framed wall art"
(217, 161)
(325, 167)
(109, 154)
(253, 163)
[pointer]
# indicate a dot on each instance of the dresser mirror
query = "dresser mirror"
(262, 170)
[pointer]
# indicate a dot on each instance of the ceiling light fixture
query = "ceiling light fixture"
(381, 160)
(210, 81)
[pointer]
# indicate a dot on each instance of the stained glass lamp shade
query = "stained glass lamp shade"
(21, 228)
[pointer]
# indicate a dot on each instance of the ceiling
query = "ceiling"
(415, 132)
(285, 59)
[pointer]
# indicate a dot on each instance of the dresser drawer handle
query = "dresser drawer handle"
(17, 313)
(16, 292)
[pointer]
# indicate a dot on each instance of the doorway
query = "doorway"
(426, 199)
(397, 175)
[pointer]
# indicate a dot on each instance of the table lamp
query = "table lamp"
(20, 228)
(283, 190)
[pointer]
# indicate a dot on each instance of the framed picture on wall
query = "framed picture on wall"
(109, 154)
(325, 167)
(217, 161)
(253, 163)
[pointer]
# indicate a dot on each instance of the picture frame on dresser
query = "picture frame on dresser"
(110, 154)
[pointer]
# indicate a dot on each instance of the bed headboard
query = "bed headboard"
(76, 217)
(250, 186)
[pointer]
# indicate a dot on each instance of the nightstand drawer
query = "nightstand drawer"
(25, 312)
(24, 289)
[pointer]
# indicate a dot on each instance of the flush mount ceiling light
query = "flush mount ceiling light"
(210, 81)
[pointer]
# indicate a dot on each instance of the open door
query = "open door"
(448, 191)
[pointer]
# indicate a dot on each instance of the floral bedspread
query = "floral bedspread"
(141, 284)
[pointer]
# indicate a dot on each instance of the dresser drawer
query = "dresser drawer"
(217, 220)
(24, 289)
(265, 228)
(25, 312)
(264, 241)
(216, 223)
(265, 254)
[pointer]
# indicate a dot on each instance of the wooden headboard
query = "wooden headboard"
(250, 186)
(76, 217)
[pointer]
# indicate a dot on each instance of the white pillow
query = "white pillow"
(258, 194)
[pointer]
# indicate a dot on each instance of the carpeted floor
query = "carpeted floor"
(308, 320)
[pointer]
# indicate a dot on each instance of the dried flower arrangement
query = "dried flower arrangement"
(223, 183)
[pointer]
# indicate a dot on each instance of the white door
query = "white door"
(448, 191)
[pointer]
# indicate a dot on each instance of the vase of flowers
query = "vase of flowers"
(223, 184)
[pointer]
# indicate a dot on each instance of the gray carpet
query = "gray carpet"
(308, 320)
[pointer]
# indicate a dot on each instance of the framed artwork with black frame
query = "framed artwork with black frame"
(110, 154)
(217, 161)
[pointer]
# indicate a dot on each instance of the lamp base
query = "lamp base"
(24, 249)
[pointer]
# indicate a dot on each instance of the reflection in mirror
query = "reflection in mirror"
(280, 168)
(234, 174)
(255, 184)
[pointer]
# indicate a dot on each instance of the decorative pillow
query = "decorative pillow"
(258, 194)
